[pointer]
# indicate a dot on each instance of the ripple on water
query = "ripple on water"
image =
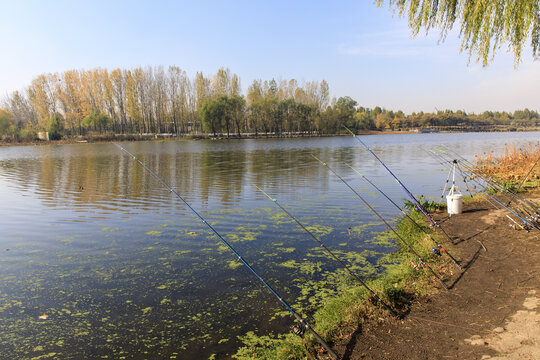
(122, 268)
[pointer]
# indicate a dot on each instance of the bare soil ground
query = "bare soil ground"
(492, 310)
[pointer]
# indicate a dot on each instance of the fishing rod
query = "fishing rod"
(440, 249)
(528, 206)
(526, 225)
(524, 211)
(334, 256)
(446, 184)
(489, 180)
(411, 196)
(445, 163)
(464, 178)
(474, 171)
(303, 322)
(521, 213)
(471, 171)
(494, 199)
(385, 222)
(526, 176)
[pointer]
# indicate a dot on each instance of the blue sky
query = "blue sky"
(362, 51)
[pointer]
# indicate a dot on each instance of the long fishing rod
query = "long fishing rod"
(528, 219)
(513, 196)
(385, 222)
(492, 182)
(303, 322)
(446, 183)
(480, 186)
(523, 212)
(506, 192)
(473, 171)
(493, 201)
(441, 249)
(526, 176)
(445, 163)
(409, 194)
(334, 256)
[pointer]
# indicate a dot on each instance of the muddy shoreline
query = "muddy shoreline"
(498, 288)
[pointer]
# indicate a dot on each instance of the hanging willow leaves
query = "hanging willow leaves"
(485, 24)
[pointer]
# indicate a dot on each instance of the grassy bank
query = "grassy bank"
(401, 281)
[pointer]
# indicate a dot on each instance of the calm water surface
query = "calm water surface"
(122, 269)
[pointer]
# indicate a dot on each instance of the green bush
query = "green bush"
(97, 121)
(27, 135)
(6, 122)
(55, 127)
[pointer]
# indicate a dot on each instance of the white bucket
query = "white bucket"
(454, 203)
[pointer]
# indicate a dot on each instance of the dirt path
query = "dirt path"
(492, 310)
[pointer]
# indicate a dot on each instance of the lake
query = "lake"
(115, 265)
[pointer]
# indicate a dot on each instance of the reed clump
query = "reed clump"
(512, 168)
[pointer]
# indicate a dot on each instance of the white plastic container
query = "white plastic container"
(454, 203)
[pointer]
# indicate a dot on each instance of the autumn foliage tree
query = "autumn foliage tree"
(153, 100)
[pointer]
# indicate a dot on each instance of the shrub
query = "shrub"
(55, 127)
(97, 121)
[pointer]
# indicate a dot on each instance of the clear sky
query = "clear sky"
(362, 51)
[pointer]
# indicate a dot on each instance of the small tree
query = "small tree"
(211, 113)
(55, 127)
(97, 121)
(6, 121)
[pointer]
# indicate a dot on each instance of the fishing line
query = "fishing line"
(524, 214)
(385, 222)
(489, 180)
(411, 196)
(334, 256)
(524, 210)
(526, 176)
(303, 322)
(444, 162)
(441, 248)
(521, 216)
(465, 181)
(446, 184)
(492, 182)
(491, 197)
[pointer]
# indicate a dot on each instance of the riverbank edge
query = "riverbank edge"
(166, 137)
(98, 139)
(401, 285)
(403, 281)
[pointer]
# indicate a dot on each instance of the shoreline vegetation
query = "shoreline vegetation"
(402, 281)
(110, 138)
(154, 101)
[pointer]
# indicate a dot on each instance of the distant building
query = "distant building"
(43, 135)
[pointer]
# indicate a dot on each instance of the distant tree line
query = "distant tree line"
(155, 100)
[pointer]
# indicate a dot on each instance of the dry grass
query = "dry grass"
(513, 167)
